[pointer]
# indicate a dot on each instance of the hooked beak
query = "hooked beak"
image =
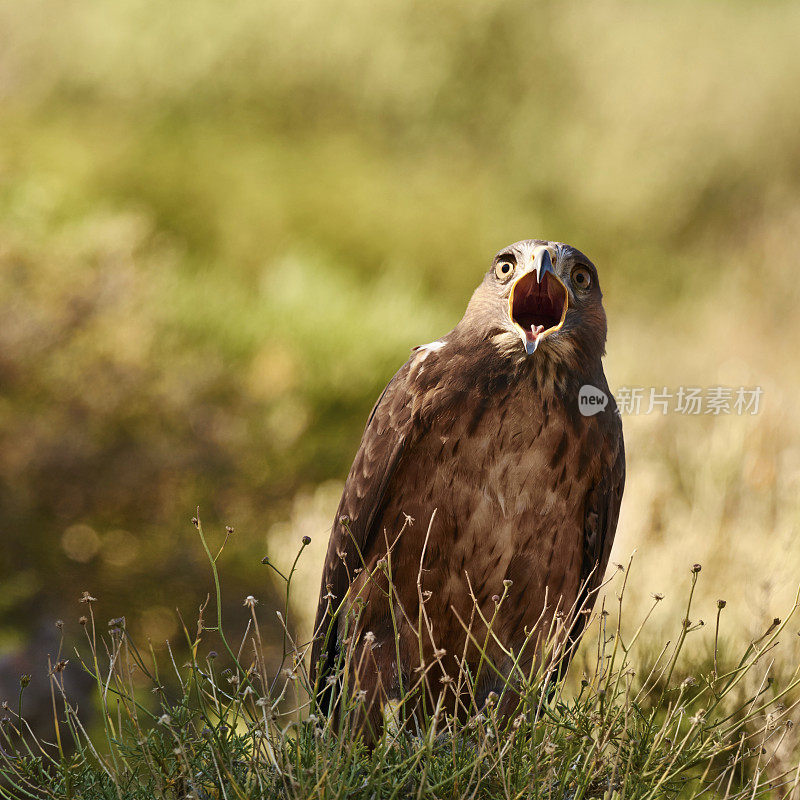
(538, 301)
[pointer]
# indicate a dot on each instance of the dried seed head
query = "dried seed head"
(265, 560)
(82, 620)
(60, 665)
(195, 522)
(229, 529)
(696, 568)
(658, 597)
(495, 598)
(250, 601)
(59, 623)
(698, 717)
(87, 598)
(508, 583)
(722, 603)
(306, 540)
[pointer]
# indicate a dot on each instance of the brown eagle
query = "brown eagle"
(480, 476)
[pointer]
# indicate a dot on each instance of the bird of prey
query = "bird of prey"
(479, 477)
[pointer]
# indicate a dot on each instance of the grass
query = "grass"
(227, 723)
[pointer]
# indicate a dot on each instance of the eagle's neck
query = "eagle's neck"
(455, 373)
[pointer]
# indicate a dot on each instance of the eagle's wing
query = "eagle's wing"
(385, 439)
(599, 525)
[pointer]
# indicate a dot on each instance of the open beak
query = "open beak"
(538, 301)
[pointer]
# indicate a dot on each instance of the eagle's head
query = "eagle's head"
(541, 300)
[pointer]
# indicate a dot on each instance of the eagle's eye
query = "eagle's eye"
(581, 278)
(504, 269)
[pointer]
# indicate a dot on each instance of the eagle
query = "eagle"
(484, 493)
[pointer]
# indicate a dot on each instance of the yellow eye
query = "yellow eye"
(581, 278)
(504, 270)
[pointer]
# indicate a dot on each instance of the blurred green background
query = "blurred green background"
(224, 225)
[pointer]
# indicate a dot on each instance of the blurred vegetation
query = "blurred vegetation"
(222, 227)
